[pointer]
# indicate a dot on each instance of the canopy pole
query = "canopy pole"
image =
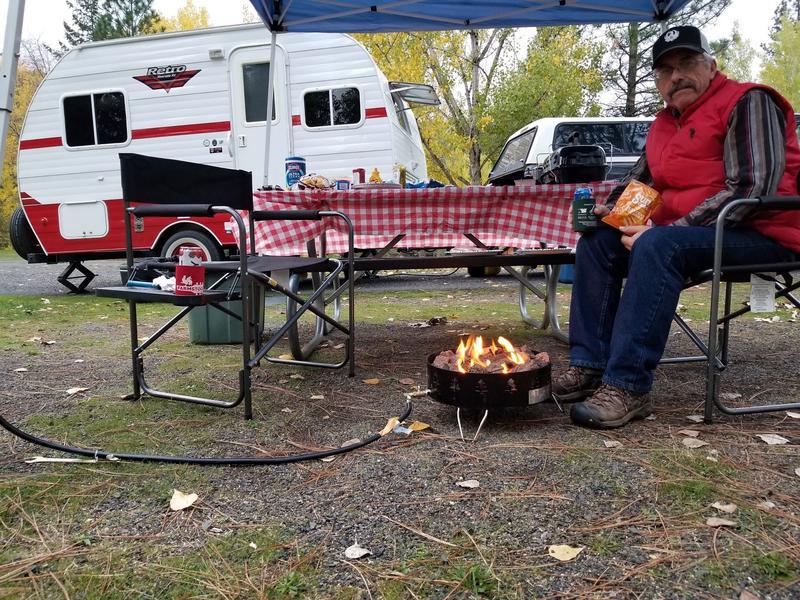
(8, 68)
(270, 95)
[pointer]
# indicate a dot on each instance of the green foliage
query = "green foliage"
(773, 566)
(477, 579)
(291, 585)
(560, 76)
(735, 56)
(781, 70)
(130, 17)
(95, 20)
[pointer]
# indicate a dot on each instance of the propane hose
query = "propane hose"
(199, 460)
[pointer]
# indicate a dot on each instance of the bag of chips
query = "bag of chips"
(635, 205)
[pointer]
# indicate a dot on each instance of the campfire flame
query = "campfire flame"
(473, 352)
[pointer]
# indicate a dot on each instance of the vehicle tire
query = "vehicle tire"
(21, 234)
(191, 237)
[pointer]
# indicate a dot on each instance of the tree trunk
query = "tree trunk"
(474, 147)
(633, 63)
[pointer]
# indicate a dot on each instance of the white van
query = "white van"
(525, 151)
(198, 96)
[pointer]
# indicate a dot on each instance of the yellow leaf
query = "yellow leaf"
(179, 500)
(418, 426)
(563, 552)
(372, 381)
(286, 357)
(391, 424)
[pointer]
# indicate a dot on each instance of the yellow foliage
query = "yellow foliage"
(188, 17)
(28, 80)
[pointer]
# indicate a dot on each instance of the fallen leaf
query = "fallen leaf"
(730, 395)
(797, 471)
(253, 545)
(286, 410)
(285, 356)
(689, 432)
(350, 442)
(563, 552)
(390, 424)
(328, 458)
(747, 595)
(371, 381)
(418, 426)
(468, 483)
(45, 301)
(75, 390)
(612, 444)
(318, 397)
(34, 339)
(49, 342)
(695, 418)
(650, 418)
(79, 360)
(180, 501)
(766, 505)
(693, 442)
(793, 415)
(406, 381)
(356, 551)
(773, 439)
(338, 346)
(717, 522)
(296, 376)
(21, 370)
(726, 508)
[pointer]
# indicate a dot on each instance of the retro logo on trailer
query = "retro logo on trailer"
(166, 77)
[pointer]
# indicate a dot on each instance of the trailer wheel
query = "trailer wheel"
(191, 237)
(21, 234)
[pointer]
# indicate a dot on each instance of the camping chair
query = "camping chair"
(786, 283)
(159, 187)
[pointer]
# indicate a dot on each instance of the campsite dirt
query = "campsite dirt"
(639, 510)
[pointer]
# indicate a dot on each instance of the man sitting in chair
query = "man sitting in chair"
(715, 141)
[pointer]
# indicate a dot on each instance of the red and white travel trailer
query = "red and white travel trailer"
(197, 96)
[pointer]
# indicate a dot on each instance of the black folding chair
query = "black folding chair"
(715, 351)
(159, 187)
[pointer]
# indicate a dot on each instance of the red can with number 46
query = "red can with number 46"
(190, 274)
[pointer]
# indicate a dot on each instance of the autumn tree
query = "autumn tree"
(628, 68)
(188, 16)
(781, 69)
(462, 136)
(735, 56)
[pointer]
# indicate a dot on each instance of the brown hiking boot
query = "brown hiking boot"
(610, 407)
(576, 383)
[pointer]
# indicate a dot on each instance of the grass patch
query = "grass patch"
(773, 567)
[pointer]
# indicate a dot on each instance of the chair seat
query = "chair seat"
(259, 264)
(136, 294)
(741, 273)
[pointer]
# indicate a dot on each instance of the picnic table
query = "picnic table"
(531, 224)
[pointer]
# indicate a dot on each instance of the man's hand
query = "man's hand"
(631, 233)
(601, 210)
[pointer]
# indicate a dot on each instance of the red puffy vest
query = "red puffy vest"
(684, 155)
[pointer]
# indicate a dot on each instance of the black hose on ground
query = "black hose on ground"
(194, 460)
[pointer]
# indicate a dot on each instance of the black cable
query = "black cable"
(194, 460)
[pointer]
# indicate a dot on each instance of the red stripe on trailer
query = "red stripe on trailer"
(51, 142)
(152, 132)
(375, 113)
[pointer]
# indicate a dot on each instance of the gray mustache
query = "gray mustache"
(682, 85)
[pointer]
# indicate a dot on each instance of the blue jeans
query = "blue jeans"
(623, 332)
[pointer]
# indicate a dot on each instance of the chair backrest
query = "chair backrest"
(166, 181)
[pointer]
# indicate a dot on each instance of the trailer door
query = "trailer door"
(249, 72)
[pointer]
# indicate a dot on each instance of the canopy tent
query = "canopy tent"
(374, 16)
(380, 16)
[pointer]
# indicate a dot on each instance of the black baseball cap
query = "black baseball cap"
(674, 38)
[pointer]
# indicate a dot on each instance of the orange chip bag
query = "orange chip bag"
(635, 205)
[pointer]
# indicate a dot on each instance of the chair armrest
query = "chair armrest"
(172, 210)
(289, 215)
(778, 203)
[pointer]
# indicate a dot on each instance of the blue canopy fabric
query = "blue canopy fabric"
(373, 16)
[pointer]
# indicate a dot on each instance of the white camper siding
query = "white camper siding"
(337, 150)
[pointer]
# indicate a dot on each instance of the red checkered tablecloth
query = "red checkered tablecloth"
(502, 216)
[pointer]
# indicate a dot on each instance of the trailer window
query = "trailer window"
(95, 119)
(339, 106)
(615, 138)
(255, 79)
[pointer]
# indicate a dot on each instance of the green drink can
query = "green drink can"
(583, 217)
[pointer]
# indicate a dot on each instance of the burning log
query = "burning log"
(500, 357)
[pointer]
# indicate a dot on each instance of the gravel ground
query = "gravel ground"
(541, 480)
